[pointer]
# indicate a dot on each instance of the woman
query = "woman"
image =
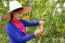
(16, 26)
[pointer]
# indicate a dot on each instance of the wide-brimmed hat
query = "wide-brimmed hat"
(14, 5)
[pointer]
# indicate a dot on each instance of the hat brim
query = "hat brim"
(25, 10)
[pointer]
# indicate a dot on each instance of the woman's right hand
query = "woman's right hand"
(38, 32)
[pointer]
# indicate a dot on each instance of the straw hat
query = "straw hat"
(13, 5)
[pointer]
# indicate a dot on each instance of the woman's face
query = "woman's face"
(17, 15)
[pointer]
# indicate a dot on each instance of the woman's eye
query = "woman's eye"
(19, 12)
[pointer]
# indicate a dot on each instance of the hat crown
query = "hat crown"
(14, 5)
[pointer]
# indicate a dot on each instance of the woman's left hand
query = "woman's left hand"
(41, 22)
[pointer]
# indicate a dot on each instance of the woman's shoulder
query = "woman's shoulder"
(24, 21)
(9, 25)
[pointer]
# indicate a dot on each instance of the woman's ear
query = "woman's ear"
(13, 14)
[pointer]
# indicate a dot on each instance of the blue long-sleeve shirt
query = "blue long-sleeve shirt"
(16, 35)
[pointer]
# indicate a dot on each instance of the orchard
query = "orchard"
(52, 12)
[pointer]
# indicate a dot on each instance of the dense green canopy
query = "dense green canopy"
(53, 14)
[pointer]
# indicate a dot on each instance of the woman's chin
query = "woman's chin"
(18, 19)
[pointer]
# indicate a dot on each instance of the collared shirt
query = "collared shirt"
(16, 35)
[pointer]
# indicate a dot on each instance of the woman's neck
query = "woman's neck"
(14, 19)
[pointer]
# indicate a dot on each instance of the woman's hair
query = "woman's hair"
(14, 11)
(11, 16)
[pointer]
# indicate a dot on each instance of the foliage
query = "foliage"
(54, 31)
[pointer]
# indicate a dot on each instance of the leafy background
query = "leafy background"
(54, 27)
